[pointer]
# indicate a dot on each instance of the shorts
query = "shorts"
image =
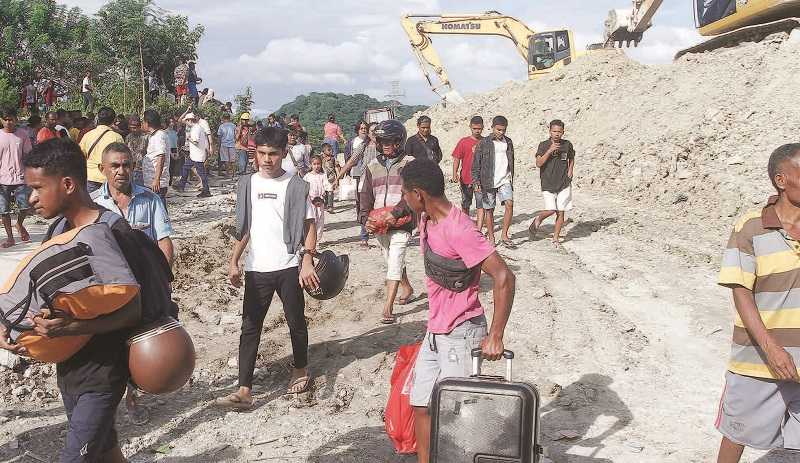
(467, 192)
(90, 418)
(561, 201)
(227, 154)
(503, 193)
(394, 245)
(760, 413)
(445, 356)
(17, 194)
(181, 90)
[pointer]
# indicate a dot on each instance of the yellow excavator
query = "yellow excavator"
(727, 22)
(543, 51)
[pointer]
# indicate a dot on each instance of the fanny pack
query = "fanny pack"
(81, 272)
(450, 274)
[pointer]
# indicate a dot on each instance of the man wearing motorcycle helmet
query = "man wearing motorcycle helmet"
(381, 203)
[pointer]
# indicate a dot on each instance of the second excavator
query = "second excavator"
(727, 22)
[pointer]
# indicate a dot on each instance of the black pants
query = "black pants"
(259, 288)
(328, 200)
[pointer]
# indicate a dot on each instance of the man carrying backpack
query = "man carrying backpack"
(93, 380)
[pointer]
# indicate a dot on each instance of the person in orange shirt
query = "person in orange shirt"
(49, 130)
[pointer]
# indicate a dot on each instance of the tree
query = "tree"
(244, 102)
(146, 38)
(44, 40)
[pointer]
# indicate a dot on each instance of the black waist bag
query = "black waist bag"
(450, 274)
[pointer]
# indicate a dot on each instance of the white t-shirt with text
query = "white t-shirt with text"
(266, 250)
(502, 174)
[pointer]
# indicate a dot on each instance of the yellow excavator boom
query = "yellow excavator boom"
(555, 48)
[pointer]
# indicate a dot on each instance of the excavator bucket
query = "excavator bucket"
(453, 97)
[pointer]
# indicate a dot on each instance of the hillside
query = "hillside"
(315, 107)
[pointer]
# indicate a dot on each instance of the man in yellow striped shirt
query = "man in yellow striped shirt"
(760, 405)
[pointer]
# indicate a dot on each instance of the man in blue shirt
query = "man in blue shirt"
(227, 146)
(144, 210)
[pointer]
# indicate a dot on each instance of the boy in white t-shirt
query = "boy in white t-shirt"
(275, 224)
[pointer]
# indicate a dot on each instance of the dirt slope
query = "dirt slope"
(622, 330)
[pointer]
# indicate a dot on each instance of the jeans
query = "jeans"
(90, 432)
(201, 171)
(242, 164)
(88, 101)
(259, 287)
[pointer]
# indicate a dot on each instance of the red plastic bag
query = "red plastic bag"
(399, 415)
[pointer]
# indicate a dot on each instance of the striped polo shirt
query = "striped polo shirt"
(763, 258)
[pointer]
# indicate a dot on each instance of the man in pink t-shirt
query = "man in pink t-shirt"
(462, 157)
(14, 144)
(456, 323)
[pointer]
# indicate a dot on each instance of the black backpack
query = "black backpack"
(146, 261)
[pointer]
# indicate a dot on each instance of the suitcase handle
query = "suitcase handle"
(477, 357)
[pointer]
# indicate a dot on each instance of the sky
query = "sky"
(286, 48)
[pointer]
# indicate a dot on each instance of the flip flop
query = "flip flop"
(389, 320)
(508, 244)
(7, 244)
(305, 381)
(534, 227)
(234, 401)
(406, 300)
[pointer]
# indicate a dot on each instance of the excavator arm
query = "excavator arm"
(628, 26)
(420, 27)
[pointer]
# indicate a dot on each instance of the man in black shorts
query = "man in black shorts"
(93, 380)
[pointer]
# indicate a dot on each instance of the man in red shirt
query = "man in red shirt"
(49, 130)
(462, 157)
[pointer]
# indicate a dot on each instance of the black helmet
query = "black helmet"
(391, 130)
(332, 271)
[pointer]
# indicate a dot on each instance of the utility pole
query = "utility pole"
(395, 93)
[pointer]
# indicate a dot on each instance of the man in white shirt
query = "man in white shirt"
(155, 164)
(86, 92)
(207, 130)
(198, 153)
(274, 220)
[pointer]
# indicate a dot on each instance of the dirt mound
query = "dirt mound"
(691, 138)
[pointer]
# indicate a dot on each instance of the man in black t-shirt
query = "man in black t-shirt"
(423, 145)
(93, 380)
(555, 158)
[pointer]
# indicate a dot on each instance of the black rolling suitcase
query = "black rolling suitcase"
(485, 419)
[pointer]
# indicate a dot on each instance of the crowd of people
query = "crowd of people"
(74, 165)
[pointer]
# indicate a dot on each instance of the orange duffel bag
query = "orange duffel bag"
(81, 272)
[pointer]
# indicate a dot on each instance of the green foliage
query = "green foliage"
(8, 94)
(43, 40)
(243, 102)
(314, 108)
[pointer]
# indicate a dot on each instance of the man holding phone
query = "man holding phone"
(556, 159)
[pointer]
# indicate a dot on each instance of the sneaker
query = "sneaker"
(204, 194)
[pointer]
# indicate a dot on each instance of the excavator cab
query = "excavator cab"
(549, 50)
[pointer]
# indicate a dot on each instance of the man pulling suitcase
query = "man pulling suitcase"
(455, 254)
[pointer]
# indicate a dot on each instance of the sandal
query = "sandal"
(390, 320)
(508, 244)
(406, 300)
(234, 401)
(7, 243)
(534, 227)
(299, 385)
